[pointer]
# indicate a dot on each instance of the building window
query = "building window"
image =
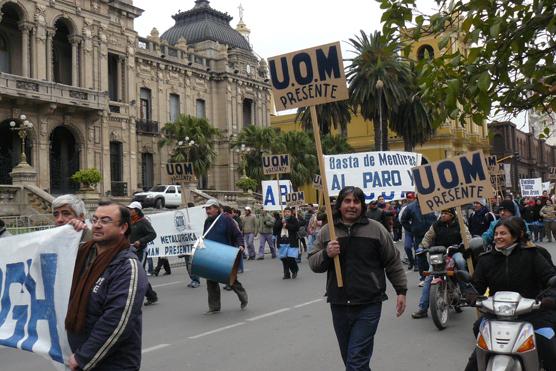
(4, 55)
(147, 170)
(61, 55)
(174, 107)
(116, 161)
(200, 110)
(247, 112)
(498, 144)
(113, 80)
(425, 51)
(146, 106)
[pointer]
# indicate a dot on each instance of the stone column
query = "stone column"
(74, 41)
(34, 63)
(40, 60)
(49, 51)
(24, 49)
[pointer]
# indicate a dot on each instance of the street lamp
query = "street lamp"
(24, 126)
(187, 145)
(242, 151)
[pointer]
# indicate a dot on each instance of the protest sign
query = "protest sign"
(546, 186)
(531, 187)
(376, 173)
(507, 175)
(176, 231)
(37, 271)
(452, 182)
(271, 200)
(180, 171)
(552, 173)
(295, 199)
(317, 182)
(308, 77)
(276, 164)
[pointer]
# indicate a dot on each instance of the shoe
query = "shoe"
(243, 299)
(421, 313)
(421, 283)
(190, 284)
(151, 301)
(155, 273)
(167, 273)
(294, 275)
(149, 274)
(212, 311)
(243, 305)
(260, 258)
(409, 267)
(228, 288)
(194, 284)
(286, 277)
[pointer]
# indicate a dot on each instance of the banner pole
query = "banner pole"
(279, 194)
(464, 239)
(324, 191)
(184, 200)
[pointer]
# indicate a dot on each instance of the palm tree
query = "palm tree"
(303, 159)
(261, 141)
(197, 136)
(377, 78)
(335, 145)
(330, 115)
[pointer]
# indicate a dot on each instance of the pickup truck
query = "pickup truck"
(160, 196)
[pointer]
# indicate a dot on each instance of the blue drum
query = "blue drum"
(216, 262)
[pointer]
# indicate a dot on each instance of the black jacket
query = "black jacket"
(479, 221)
(415, 222)
(525, 271)
(143, 232)
(367, 256)
(292, 225)
(111, 340)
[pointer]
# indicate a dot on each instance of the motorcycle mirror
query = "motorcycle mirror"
(552, 282)
(463, 276)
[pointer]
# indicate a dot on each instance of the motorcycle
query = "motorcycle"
(445, 293)
(506, 343)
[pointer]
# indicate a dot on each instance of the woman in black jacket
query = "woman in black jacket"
(291, 224)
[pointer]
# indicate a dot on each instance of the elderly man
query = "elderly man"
(104, 321)
(367, 256)
(70, 209)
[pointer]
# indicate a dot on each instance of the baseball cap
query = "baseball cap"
(135, 205)
(507, 205)
(212, 202)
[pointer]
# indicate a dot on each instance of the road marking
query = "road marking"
(167, 284)
(268, 314)
(307, 303)
(156, 347)
(217, 330)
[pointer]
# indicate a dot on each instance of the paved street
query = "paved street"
(287, 326)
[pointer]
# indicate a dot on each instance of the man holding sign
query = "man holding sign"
(367, 254)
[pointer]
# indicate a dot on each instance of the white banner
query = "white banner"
(531, 187)
(36, 271)
(385, 174)
(507, 173)
(546, 186)
(270, 194)
(175, 231)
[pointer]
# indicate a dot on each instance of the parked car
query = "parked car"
(160, 196)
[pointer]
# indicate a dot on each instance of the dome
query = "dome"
(204, 23)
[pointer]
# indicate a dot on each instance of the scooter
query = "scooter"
(506, 343)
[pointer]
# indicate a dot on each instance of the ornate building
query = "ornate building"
(98, 94)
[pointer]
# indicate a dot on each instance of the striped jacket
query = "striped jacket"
(112, 336)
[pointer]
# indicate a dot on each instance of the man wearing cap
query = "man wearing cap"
(221, 228)
(249, 222)
(142, 232)
(444, 232)
(480, 219)
(506, 210)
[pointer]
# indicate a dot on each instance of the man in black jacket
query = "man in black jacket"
(367, 255)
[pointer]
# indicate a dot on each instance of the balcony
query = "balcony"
(148, 127)
(51, 92)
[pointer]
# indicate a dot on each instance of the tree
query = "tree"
(377, 78)
(303, 159)
(507, 65)
(330, 115)
(197, 136)
(335, 145)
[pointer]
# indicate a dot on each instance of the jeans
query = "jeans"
(355, 327)
(408, 247)
(150, 265)
(310, 240)
(249, 238)
(424, 299)
(266, 237)
(194, 278)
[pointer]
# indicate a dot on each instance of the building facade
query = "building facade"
(98, 94)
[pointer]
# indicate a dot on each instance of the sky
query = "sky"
(283, 26)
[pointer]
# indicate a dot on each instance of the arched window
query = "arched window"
(425, 51)
(61, 62)
(4, 55)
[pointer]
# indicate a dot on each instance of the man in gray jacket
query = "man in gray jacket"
(367, 256)
(266, 223)
(249, 222)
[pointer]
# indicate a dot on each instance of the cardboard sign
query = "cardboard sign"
(317, 182)
(295, 199)
(376, 173)
(498, 180)
(531, 187)
(36, 271)
(274, 199)
(276, 164)
(491, 160)
(552, 173)
(308, 77)
(452, 182)
(176, 231)
(180, 171)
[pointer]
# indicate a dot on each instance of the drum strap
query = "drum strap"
(199, 243)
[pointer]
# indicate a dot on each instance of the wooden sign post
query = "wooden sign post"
(453, 182)
(306, 78)
(182, 173)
